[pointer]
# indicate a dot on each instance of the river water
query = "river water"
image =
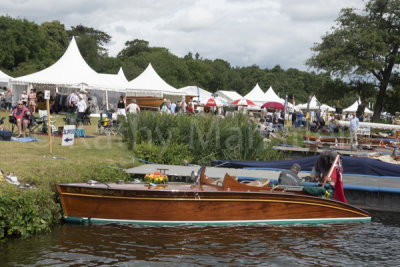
(370, 244)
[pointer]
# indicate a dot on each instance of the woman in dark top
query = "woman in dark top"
(121, 106)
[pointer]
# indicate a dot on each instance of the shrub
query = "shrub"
(165, 154)
(204, 136)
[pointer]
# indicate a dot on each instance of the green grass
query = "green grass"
(24, 212)
(33, 162)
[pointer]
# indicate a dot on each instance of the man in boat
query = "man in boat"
(290, 177)
(322, 166)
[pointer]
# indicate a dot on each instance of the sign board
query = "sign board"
(46, 94)
(364, 131)
(68, 135)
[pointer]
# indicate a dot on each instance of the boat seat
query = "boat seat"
(259, 183)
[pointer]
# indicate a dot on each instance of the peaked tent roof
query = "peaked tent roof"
(4, 77)
(314, 104)
(273, 97)
(70, 70)
(116, 80)
(325, 107)
(122, 74)
(149, 83)
(230, 96)
(353, 108)
(257, 96)
(192, 91)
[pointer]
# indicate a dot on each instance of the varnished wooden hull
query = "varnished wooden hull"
(197, 204)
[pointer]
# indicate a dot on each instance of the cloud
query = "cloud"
(242, 32)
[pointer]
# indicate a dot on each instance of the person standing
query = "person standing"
(294, 119)
(81, 108)
(9, 97)
(32, 100)
(354, 123)
(133, 108)
(73, 101)
(24, 98)
(173, 107)
(121, 106)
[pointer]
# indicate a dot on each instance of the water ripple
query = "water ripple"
(375, 243)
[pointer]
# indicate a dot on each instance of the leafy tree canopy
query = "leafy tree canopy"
(363, 47)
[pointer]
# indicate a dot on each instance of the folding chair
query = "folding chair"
(71, 119)
(32, 126)
(43, 118)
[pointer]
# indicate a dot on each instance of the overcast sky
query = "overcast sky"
(242, 32)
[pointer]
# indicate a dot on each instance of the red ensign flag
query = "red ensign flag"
(336, 175)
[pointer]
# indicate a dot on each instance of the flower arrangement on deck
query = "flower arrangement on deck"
(156, 178)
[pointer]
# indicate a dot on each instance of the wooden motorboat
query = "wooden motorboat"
(207, 201)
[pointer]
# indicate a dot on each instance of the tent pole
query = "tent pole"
(107, 98)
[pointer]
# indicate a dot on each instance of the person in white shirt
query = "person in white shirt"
(81, 108)
(73, 100)
(133, 108)
(24, 98)
(354, 123)
(173, 107)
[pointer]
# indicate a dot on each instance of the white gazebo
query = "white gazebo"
(353, 108)
(257, 96)
(70, 72)
(273, 97)
(198, 94)
(116, 80)
(314, 105)
(4, 79)
(150, 84)
(229, 96)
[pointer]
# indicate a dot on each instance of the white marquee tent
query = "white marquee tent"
(273, 97)
(353, 108)
(229, 96)
(150, 84)
(117, 80)
(70, 72)
(257, 96)
(199, 94)
(4, 79)
(327, 108)
(314, 104)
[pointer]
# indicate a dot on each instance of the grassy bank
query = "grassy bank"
(29, 211)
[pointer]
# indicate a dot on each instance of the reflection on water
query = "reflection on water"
(114, 244)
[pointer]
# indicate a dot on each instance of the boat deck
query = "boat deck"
(219, 172)
(367, 192)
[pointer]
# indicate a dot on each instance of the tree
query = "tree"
(363, 46)
(134, 48)
(57, 39)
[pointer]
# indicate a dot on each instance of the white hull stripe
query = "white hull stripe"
(279, 221)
